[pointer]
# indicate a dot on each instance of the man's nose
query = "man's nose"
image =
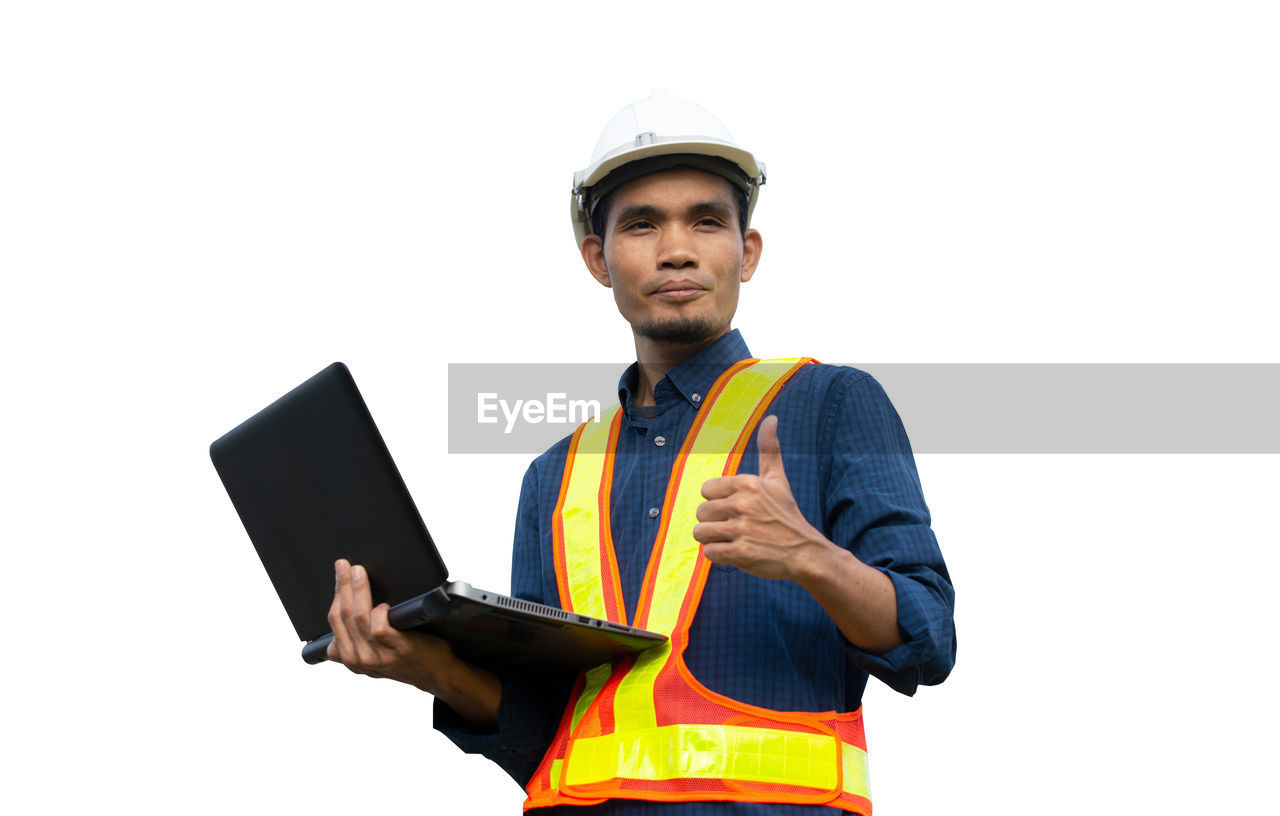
(677, 250)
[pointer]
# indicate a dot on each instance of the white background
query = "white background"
(201, 204)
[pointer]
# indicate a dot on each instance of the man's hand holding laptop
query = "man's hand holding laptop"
(366, 643)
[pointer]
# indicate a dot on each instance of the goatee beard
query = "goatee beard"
(681, 331)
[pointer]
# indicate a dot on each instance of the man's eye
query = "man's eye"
(709, 222)
(639, 225)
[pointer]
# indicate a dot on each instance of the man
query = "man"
(787, 558)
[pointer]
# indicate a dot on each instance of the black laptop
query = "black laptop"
(313, 482)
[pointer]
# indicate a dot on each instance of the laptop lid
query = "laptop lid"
(313, 482)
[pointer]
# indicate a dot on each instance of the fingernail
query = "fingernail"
(357, 573)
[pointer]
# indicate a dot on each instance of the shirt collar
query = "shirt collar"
(692, 378)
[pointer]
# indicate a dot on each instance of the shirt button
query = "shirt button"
(653, 512)
(659, 440)
(696, 397)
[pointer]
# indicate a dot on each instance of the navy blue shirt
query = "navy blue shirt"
(763, 642)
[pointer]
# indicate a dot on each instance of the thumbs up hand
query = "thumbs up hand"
(754, 523)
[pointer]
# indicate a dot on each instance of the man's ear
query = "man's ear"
(752, 245)
(593, 257)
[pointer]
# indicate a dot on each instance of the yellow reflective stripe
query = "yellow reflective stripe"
(680, 550)
(633, 706)
(556, 765)
(857, 778)
(726, 419)
(730, 752)
(597, 676)
(581, 518)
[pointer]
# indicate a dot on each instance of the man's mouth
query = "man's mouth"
(679, 290)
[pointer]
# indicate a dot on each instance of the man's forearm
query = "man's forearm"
(473, 692)
(860, 599)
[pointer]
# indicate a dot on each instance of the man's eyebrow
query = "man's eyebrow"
(712, 206)
(636, 211)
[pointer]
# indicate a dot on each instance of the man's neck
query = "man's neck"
(654, 359)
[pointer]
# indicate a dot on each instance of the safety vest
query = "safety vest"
(644, 727)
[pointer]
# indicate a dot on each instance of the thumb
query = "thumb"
(770, 450)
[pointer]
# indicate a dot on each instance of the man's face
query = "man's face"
(674, 255)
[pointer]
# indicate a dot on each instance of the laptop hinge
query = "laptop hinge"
(435, 603)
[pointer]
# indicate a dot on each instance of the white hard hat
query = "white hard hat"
(660, 126)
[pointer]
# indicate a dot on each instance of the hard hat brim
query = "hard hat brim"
(701, 146)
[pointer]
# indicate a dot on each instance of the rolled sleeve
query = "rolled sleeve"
(876, 509)
(928, 649)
